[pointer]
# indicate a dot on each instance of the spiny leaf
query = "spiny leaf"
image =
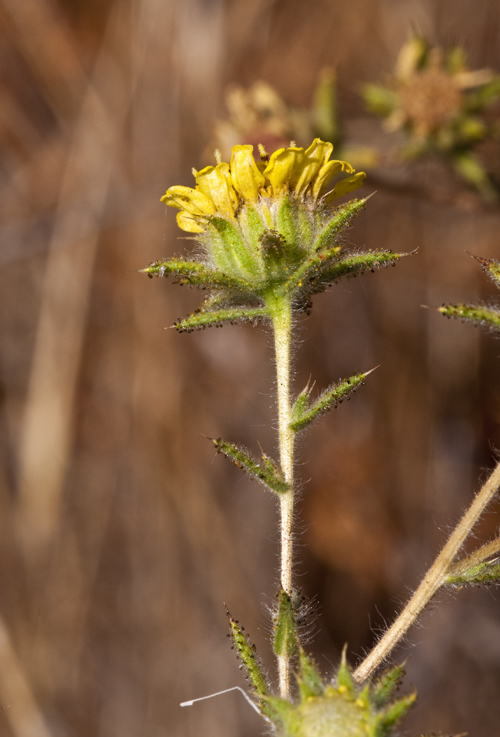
(343, 215)
(300, 407)
(267, 474)
(285, 635)
(486, 316)
(281, 711)
(311, 267)
(324, 267)
(248, 657)
(386, 684)
(481, 573)
(195, 274)
(247, 654)
(393, 714)
(356, 264)
(345, 684)
(286, 222)
(200, 320)
(303, 415)
(308, 678)
(491, 267)
(229, 249)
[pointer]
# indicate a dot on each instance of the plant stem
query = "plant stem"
(432, 581)
(478, 556)
(281, 312)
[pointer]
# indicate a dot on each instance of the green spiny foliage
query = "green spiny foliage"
(490, 267)
(325, 267)
(309, 678)
(304, 413)
(345, 684)
(387, 683)
(247, 654)
(354, 264)
(488, 317)
(339, 707)
(266, 473)
(250, 663)
(341, 217)
(200, 320)
(286, 642)
(195, 274)
(482, 573)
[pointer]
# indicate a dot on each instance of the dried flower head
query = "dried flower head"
(440, 105)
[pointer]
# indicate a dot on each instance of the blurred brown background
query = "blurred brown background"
(122, 533)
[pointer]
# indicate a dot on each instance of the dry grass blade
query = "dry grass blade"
(47, 437)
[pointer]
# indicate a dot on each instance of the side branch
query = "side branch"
(432, 582)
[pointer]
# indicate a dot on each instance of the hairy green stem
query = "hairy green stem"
(433, 580)
(281, 312)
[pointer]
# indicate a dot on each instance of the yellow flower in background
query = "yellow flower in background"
(223, 190)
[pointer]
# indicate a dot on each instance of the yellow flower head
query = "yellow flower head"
(267, 233)
(221, 191)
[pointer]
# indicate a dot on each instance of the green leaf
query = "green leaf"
(345, 684)
(286, 643)
(247, 654)
(267, 474)
(230, 251)
(386, 720)
(195, 274)
(303, 413)
(282, 712)
(342, 216)
(286, 222)
(491, 267)
(300, 407)
(323, 268)
(486, 316)
(383, 689)
(356, 264)
(308, 678)
(200, 320)
(477, 575)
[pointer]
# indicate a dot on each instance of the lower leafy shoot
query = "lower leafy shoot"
(331, 708)
(321, 708)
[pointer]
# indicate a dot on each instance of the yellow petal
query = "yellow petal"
(328, 171)
(315, 157)
(189, 199)
(215, 183)
(346, 185)
(282, 167)
(189, 222)
(247, 179)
